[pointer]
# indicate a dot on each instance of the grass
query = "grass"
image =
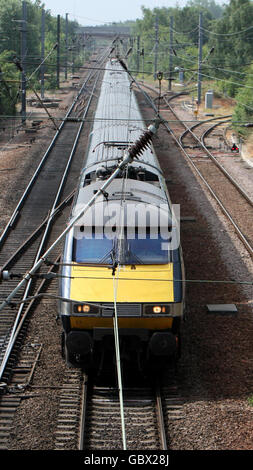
(250, 400)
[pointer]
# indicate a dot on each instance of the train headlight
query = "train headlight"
(157, 309)
(162, 309)
(85, 308)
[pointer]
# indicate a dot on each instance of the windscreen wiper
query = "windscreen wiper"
(111, 254)
(107, 255)
(129, 254)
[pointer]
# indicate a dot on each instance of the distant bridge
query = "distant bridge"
(104, 31)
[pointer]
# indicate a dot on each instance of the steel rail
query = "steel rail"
(65, 174)
(28, 276)
(23, 198)
(44, 237)
(224, 171)
(210, 129)
(32, 181)
(81, 441)
(132, 399)
(189, 129)
(35, 233)
(22, 321)
(39, 260)
(200, 123)
(225, 211)
(160, 417)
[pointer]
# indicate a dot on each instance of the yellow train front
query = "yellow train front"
(123, 259)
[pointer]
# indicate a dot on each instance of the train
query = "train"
(123, 259)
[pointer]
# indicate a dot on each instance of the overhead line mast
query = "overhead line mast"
(200, 58)
(23, 61)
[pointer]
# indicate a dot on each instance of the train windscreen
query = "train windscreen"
(134, 250)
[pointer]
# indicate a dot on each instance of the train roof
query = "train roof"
(118, 125)
(118, 122)
(143, 200)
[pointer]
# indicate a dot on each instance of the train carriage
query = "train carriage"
(123, 257)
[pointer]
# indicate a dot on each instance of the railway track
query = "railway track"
(75, 401)
(32, 228)
(148, 412)
(83, 414)
(234, 202)
(103, 424)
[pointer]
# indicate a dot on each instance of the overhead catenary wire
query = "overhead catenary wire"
(81, 67)
(27, 284)
(42, 62)
(116, 279)
(132, 120)
(115, 321)
(127, 159)
(228, 80)
(217, 67)
(230, 34)
(236, 33)
(224, 70)
(194, 281)
(217, 78)
(167, 121)
(115, 288)
(186, 32)
(240, 123)
(108, 307)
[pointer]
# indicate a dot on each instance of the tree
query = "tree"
(244, 108)
(185, 45)
(9, 37)
(10, 46)
(9, 84)
(232, 34)
(210, 5)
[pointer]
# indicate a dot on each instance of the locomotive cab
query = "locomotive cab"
(132, 277)
(122, 262)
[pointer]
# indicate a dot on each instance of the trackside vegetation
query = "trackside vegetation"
(10, 48)
(227, 33)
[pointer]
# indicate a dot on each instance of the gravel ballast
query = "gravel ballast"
(215, 369)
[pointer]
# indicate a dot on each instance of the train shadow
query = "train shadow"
(131, 376)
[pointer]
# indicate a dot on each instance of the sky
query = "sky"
(95, 12)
